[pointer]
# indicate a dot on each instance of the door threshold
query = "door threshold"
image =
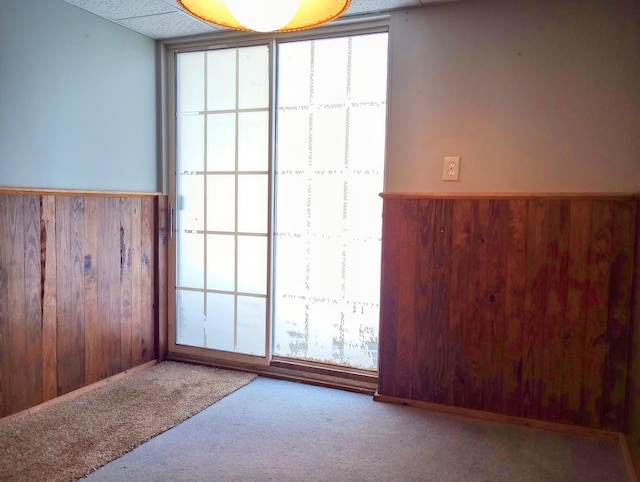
(353, 380)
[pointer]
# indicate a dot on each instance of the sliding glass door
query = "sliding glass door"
(222, 199)
(331, 116)
(278, 218)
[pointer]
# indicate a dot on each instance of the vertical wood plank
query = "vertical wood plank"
(96, 337)
(17, 337)
(494, 303)
(437, 324)
(4, 304)
(13, 310)
(476, 332)
(112, 259)
(70, 331)
(65, 330)
(535, 299)
(552, 330)
(125, 283)
(595, 348)
(460, 259)
(398, 300)
(576, 310)
(77, 288)
(33, 299)
(407, 316)
(425, 354)
(148, 281)
(388, 341)
(49, 297)
(103, 269)
(136, 282)
(632, 418)
(162, 276)
(515, 313)
(618, 314)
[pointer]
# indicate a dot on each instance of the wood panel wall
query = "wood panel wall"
(520, 306)
(632, 429)
(78, 285)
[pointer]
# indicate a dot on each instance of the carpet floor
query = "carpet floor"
(274, 430)
(67, 440)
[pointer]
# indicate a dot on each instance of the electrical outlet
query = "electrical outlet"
(451, 169)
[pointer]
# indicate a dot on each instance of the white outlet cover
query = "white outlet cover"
(451, 169)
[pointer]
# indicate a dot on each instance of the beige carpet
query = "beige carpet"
(71, 439)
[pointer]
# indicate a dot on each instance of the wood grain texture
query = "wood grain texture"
(110, 260)
(33, 299)
(522, 305)
(457, 289)
(148, 313)
(5, 242)
(162, 276)
(13, 306)
(632, 391)
(395, 366)
(68, 280)
(66, 337)
(136, 282)
(514, 306)
(125, 283)
(70, 293)
(618, 320)
(48, 265)
(494, 307)
(96, 336)
(576, 311)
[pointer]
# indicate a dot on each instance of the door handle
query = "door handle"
(170, 221)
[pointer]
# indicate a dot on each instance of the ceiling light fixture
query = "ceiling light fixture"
(266, 15)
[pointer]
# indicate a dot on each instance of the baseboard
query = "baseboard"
(628, 459)
(76, 393)
(538, 424)
(501, 418)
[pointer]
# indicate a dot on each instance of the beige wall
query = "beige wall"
(535, 96)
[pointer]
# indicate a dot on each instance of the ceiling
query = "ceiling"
(161, 19)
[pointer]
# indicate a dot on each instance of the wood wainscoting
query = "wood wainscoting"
(79, 290)
(519, 305)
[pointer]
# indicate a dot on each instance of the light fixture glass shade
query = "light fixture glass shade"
(263, 16)
(230, 14)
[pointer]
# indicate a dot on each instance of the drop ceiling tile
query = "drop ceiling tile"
(371, 6)
(120, 9)
(168, 25)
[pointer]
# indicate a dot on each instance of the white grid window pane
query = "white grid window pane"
(253, 190)
(252, 325)
(221, 199)
(190, 318)
(253, 141)
(253, 79)
(292, 148)
(221, 142)
(252, 264)
(331, 70)
(190, 206)
(190, 143)
(190, 82)
(221, 262)
(221, 79)
(190, 272)
(221, 321)
(294, 75)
